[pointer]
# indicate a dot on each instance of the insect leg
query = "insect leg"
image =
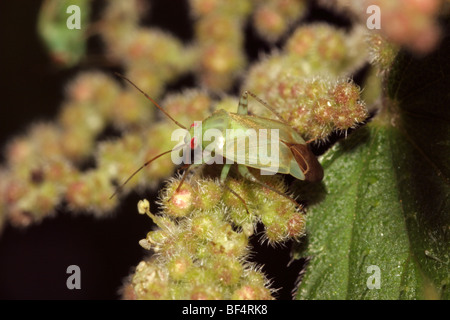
(243, 104)
(224, 173)
(243, 170)
(187, 167)
(223, 177)
(237, 196)
(183, 178)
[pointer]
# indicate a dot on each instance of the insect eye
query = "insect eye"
(193, 143)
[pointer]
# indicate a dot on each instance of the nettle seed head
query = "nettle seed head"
(414, 24)
(19, 150)
(276, 232)
(203, 226)
(46, 140)
(269, 23)
(94, 89)
(75, 115)
(279, 228)
(220, 63)
(296, 225)
(263, 73)
(238, 213)
(208, 194)
(178, 203)
(321, 105)
(120, 157)
(272, 18)
(156, 140)
(188, 106)
(228, 271)
(203, 7)
(314, 106)
(205, 292)
(179, 266)
(254, 286)
(218, 28)
(92, 191)
(381, 51)
(320, 46)
(130, 111)
(150, 281)
(350, 110)
(202, 274)
(252, 292)
(146, 77)
(120, 18)
(228, 242)
(160, 50)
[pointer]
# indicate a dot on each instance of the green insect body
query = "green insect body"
(294, 157)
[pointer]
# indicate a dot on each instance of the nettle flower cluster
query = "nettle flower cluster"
(409, 23)
(201, 246)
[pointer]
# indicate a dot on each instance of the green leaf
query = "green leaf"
(387, 195)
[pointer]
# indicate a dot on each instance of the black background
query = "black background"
(33, 261)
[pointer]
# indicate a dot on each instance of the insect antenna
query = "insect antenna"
(265, 104)
(142, 167)
(151, 99)
(187, 167)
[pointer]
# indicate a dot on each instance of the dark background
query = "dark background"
(33, 261)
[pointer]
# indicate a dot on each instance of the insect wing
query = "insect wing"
(307, 162)
(251, 145)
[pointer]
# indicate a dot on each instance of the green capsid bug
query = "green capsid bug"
(294, 155)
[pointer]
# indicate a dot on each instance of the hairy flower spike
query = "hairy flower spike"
(92, 191)
(208, 194)
(150, 282)
(178, 266)
(318, 106)
(272, 18)
(250, 292)
(382, 53)
(404, 22)
(178, 203)
(188, 106)
(130, 111)
(218, 29)
(201, 253)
